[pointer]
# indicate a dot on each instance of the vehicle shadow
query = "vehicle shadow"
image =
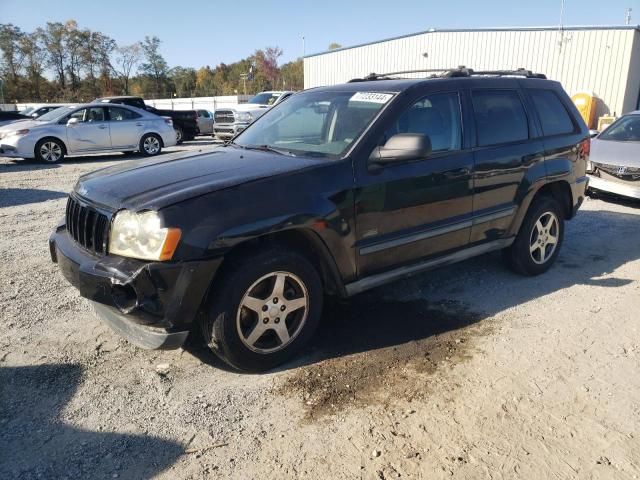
(36, 443)
(13, 197)
(450, 298)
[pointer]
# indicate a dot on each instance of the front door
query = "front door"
(91, 133)
(408, 211)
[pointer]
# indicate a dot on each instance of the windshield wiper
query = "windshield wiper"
(267, 148)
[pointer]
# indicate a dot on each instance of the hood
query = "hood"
(20, 124)
(625, 154)
(160, 182)
(248, 107)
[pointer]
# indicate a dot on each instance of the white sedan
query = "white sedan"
(84, 129)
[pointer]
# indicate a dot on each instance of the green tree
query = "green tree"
(127, 58)
(155, 66)
(12, 58)
(334, 46)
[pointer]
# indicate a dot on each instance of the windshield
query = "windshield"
(55, 114)
(316, 123)
(265, 98)
(627, 129)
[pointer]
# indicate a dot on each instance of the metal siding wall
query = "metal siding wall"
(597, 61)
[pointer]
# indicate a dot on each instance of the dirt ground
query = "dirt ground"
(466, 372)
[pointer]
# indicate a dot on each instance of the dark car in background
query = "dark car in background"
(337, 190)
(9, 117)
(185, 122)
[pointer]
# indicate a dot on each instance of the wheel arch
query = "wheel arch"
(51, 137)
(150, 132)
(559, 190)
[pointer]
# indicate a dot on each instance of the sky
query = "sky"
(206, 32)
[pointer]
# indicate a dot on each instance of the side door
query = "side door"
(205, 121)
(508, 159)
(415, 209)
(126, 127)
(91, 133)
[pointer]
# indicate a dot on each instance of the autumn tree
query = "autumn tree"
(127, 58)
(155, 65)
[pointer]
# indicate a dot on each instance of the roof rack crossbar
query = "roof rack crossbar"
(460, 71)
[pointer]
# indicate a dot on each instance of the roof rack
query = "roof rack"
(460, 71)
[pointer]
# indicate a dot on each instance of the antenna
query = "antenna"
(628, 16)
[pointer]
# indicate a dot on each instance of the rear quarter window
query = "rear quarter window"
(553, 115)
(500, 117)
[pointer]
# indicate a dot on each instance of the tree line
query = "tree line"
(62, 62)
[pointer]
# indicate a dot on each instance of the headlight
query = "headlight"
(24, 131)
(140, 235)
(244, 117)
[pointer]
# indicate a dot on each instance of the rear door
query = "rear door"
(91, 133)
(408, 211)
(508, 158)
(205, 121)
(126, 127)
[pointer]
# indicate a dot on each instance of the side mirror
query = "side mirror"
(72, 122)
(593, 133)
(401, 148)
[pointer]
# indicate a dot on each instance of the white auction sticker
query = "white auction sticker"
(371, 97)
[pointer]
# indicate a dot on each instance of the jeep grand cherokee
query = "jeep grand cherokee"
(335, 191)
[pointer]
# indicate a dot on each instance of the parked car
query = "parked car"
(90, 128)
(185, 122)
(39, 110)
(615, 158)
(10, 117)
(336, 191)
(205, 122)
(228, 122)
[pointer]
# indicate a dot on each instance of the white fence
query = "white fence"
(194, 103)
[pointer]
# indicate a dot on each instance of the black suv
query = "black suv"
(335, 191)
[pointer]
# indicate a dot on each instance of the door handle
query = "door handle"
(102, 127)
(139, 124)
(460, 172)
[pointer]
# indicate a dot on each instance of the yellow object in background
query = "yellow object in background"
(586, 104)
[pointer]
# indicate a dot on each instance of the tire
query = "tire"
(542, 229)
(179, 135)
(49, 150)
(243, 324)
(150, 145)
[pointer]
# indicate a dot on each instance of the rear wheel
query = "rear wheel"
(49, 150)
(179, 135)
(539, 240)
(265, 309)
(150, 145)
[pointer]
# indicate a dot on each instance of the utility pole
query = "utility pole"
(2, 91)
(628, 16)
(303, 47)
(243, 76)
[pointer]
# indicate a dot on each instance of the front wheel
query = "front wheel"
(150, 145)
(264, 310)
(49, 150)
(539, 240)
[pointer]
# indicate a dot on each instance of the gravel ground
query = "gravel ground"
(468, 371)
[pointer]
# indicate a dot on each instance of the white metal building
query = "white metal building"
(604, 61)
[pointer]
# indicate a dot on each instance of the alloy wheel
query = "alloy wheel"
(272, 312)
(51, 151)
(151, 145)
(544, 238)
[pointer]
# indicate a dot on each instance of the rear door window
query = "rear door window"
(500, 117)
(117, 114)
(554, 118)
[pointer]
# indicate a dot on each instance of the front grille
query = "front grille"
(224, 116)
(87, 226)
(224, 130)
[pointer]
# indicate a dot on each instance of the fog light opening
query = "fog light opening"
(124, 297)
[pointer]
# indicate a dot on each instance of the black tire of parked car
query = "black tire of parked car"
(179, 135)
(519, 256)
(220, 322)
(49, 150)
(150, 145)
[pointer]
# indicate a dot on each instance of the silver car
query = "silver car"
(205, 122)
(84, 129)
(615, 158)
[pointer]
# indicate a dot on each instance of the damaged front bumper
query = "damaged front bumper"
(152, 304)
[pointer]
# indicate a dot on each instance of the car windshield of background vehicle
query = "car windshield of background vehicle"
(627, 129)
(265, 98)
(319, 124)
(55, 114)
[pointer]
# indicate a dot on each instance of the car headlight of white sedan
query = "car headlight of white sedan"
(244, 117)
(141, 235)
